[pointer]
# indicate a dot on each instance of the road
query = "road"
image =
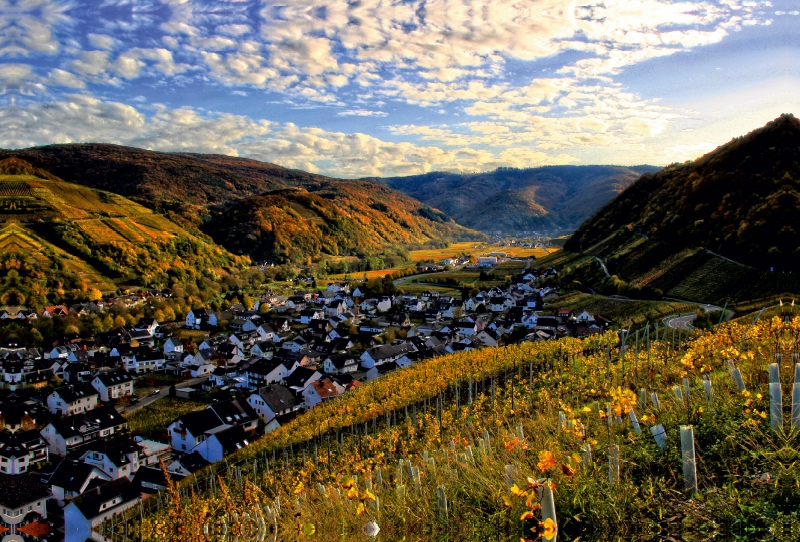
(162, 392)
(685, 322)
(603, 265)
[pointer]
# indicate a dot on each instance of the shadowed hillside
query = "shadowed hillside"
(740, 201)
(509, 199)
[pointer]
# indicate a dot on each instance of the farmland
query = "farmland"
(152, 420)
(486, 436)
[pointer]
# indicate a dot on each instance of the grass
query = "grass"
(527, 426)
(151, 421)
(625, 312)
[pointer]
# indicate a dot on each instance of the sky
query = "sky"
(356, 88)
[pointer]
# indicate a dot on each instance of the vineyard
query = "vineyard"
(671, 437)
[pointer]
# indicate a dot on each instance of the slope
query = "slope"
(740, 201)
(59, 240)
(509, 199)
(193, 188)
(466, 446)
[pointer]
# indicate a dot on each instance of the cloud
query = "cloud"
(83, 117)
(361, 113)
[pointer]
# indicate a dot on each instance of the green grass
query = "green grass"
(623, 312)
(151, 421)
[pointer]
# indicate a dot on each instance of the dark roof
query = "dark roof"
(234, 412)
(90, 502)
(390, 351)
(21, 489)
(99, 418)
(193, 462)
(74, 392)
(149, 355)
(117, 376)
(153, 475)
(201, 421)
(232, 439)
(19, 443)
(115, 448)
(71, 475)
(278, 398)
(299, 377)
(264, 366)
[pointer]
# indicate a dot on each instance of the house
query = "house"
(273, 401)
(267, 371)
(70, 432)
(72, 399)
(148, 361)
(172, 345)
(186, 464)
(85, 512)
(72, 477)
(222, 442)
(190, 430)
(336, 307)
(584, 318)
(265, 332)
(564, 314)
(465, 328)
(23, 499)
(384, 304)
(301, 378)
(58, 310)
(21, 450)
(116, 457)
(307, 315)
(147, 324)
(151, 480)
(321, 390)
(339, 364)
(113, 384)
(196, 318)
(384, 353)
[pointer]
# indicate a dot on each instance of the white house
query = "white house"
(384, 354)
(272, 401)
(321, 390)
(68, 433)
(223, 441)
(72, 399)
(82, 514)
(113, 384)
(265, 332)
(173, 345)
(196, 318)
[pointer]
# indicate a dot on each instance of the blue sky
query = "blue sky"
(399, 87)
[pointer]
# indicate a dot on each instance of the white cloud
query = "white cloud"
(361, 113)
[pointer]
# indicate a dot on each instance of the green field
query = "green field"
(152, 420)
(623, 312)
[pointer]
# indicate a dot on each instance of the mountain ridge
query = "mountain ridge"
(544, 198)
(740, 201)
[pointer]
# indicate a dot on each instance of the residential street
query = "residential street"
(163, 392)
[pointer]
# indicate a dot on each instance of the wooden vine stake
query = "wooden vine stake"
(689, 459)
(613, 464)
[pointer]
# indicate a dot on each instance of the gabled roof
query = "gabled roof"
(19, 490)
(90, 502)
(299, 377)
(114, 377)
(155, 476)
(201, 421)
(386, 351)
(278, 398)
(232, 439)
(234, 412)
(100, 418)
(265, 366)
(325, 388)
(193, 462)
(71, 475)
(75, 392)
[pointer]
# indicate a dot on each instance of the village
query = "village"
(66, 450)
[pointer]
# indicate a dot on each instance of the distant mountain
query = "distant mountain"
(211, 192)
(60, 240)
(741, 201)
(508, 199)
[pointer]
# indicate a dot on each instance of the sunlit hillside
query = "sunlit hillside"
(468, 447)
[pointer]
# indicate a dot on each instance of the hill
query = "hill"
(470, 446)
(740, 201)
(210, 192)
(508, 199)
(60, 240)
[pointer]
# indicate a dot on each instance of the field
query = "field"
(527, 441)
(625, 312)
(152, 420)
